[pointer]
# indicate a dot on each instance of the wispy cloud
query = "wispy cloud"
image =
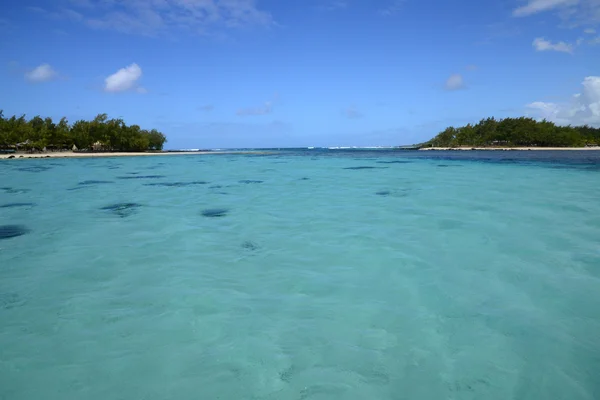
(41, 73)
(331, 5)
(583, 108)
(124, 80)
(266, 108)
(572, 12)
(455, 82)
(72, 15)
(590, 31)
(38, 10)
(498, 31)
(253, 111)
(151, 17)
(82, 3)
(392, 8)
(471, 67)
(352, 113)
(541, 44)
(537, 6)
(206, 108)
(62, 14)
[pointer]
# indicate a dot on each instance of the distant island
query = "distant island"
(515, 133)
(99, 135)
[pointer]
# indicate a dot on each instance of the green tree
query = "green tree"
(156, 139)
(62, 135)
(113, 134)
(516, 132)
(80, 133)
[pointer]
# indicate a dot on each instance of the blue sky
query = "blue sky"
(270, 73)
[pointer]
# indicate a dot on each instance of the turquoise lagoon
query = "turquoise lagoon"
(302, 275)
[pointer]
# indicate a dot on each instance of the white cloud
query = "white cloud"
(541, 44)
(583, 108)
(548, 111)
(536, 6)
(41, 73)
(455, 82)
(150, 17)
(590, 31)
(572, 12)
(124, 79)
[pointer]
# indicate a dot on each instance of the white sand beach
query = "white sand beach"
(510, 148)
(70, 154)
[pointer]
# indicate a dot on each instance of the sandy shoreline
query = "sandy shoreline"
(70, 154)
(509, 148)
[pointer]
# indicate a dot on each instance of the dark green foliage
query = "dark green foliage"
(100, 134)
(516, 132)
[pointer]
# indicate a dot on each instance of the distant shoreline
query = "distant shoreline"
(71, 154)
(508, 148)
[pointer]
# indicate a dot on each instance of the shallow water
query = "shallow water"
(302, 275)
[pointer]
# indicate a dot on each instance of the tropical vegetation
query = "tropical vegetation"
(101, 133)
(515, 132)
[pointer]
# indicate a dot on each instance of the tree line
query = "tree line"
(509, 132)
(100, 133)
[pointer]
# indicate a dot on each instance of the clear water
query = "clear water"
(446, 276)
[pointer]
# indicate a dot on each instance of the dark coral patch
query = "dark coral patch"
(215, 212)
(365, 167)
(122, 209)
(92, 182)
(16, 205)
(11, 231)
(35, 168)
(176, 184)
(13, 190)
(141, 177)
(10, 300)
(248, 245)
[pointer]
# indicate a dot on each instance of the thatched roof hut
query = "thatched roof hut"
(99, 146)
